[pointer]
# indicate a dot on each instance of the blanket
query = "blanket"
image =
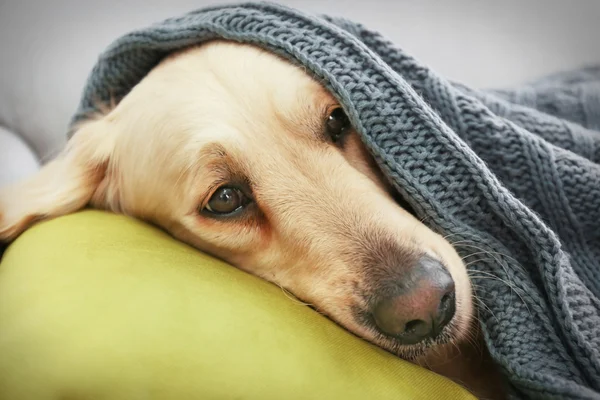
(510, 177)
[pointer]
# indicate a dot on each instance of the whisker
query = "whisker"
(450, 234)
(488, 275)
(460, 243)
(510, 284)
(480, 302)
(493, 254)
(476, 261)
(474, 343)
(475, 254)
(294, 298)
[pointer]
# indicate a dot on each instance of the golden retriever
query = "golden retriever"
(243, 155)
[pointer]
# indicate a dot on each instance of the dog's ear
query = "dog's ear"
(62, 186)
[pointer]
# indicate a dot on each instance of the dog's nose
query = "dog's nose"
(423, 306)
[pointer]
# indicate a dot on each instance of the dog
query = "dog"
(243, 155)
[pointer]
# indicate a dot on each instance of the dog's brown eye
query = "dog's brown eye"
(226, 201)
(337, 124)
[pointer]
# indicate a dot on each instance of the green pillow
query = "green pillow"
(100, 306)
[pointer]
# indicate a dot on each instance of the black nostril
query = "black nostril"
(446, 303)
(417, 327)
(446, 311)
(445, 299)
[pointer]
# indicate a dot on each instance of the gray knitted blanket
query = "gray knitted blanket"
(511, 177)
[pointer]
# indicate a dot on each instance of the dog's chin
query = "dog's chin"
(413, 352)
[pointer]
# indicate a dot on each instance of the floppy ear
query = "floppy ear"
(62, 186)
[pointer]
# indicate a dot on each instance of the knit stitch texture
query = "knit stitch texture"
(511, 177)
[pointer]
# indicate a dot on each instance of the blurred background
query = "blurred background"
(47, 48)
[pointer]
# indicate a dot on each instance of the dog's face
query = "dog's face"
(244, 156)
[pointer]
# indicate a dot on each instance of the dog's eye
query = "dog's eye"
(337, 124)
(226, 201)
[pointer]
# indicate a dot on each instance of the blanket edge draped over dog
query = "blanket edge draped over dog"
(510, 177)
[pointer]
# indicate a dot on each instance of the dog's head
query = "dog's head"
(243, 155)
